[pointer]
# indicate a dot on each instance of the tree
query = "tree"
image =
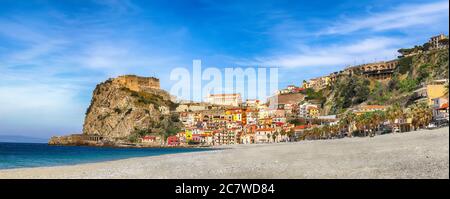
(393, 83)
(376, 118)
(347, 121)
(274, 136)
(290, 133)
(446, 89)
(421, 115)
(426, 46)
(407, 85)
(423, 72)
(404, 65)
(394, 113)
(317, 132)
(283, 133)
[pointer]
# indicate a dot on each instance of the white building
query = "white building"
(303, 110)
(225, 99)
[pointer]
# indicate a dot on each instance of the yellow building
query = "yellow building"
(431, 91)
(313, 112)
(434, 91)
(237, 115)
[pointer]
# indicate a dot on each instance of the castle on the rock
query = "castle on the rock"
(136, 83)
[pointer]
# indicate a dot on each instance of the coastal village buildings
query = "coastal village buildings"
(225, 119)
(264, 135)
(151, 139)
(308, 110)
(434, 89)
(317, 83)
(440, 108)
(379, 70)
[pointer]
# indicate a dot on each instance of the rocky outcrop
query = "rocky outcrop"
(117, 111)
(66, 140)
(122, 110)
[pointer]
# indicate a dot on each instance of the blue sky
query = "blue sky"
(53, 53)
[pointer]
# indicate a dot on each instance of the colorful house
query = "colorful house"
(173, 140)
(264, 135)
(149, 139)
(313, 112)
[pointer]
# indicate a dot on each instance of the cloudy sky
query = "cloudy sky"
(53, 53)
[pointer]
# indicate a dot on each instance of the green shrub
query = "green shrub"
(407, 85)
(404, 65)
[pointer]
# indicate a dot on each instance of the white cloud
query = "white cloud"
(40, 106)
(367, 38)
(370, 49)
(400, 17)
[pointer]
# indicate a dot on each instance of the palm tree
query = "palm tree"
(306, 134)
(290, 133)
(378, 117)
(274, 136)
(326, 131)
(347, 121)
(316, 132)
(421, 115)
(334, 130)
(394, 113)
(283, 133)
(446, 89)
(359, 122)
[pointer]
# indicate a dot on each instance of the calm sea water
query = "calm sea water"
(19, 155)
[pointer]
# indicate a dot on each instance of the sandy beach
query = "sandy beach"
(419, 154)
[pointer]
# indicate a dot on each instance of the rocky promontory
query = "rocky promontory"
(122, 110)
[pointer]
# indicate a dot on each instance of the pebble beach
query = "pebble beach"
(417, 154)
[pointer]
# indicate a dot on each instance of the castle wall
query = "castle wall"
(138, 84)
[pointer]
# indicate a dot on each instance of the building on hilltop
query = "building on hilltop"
(136, 83)
(317, 83)
(225, 99)
(378, 70)
(438, 42)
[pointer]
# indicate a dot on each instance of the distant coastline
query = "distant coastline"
(21, 139)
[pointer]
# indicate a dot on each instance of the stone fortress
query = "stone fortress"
(378, 70)
(136, 83)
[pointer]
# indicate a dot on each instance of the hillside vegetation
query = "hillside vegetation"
(412, 73)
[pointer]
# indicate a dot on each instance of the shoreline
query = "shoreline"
(417, 154)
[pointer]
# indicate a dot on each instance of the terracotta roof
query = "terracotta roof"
(444, 106)
(265, 129)
(301, 127)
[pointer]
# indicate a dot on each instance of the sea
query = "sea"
(23, 155)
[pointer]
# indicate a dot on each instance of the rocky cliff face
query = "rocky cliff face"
(117, 112)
